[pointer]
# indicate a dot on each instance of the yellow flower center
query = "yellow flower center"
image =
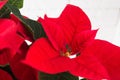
(67, 54)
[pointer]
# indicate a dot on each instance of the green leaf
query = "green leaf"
(45, 76)
(59, 76)
(36, 28)
(16, 3)
(32, 26)
(84, 79)
(5, 12)
(4, 65)
(68, 76)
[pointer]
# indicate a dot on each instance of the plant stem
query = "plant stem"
(8, 70)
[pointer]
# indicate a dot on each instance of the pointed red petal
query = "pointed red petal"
(4, 75)
(75, 17)
(43, 57)
(54, 33)
(83, 39)
(89, 67)
(72, 21)
(20, 70)
(109, 56)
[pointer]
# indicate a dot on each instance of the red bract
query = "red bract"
(21, 29)
(4, 75)
(2, 3)
(72, 21)
(20, 70)
(71, 34)
(108, 55)
(10, 41)
(13, 49)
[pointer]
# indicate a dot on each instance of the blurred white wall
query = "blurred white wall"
(104, 14)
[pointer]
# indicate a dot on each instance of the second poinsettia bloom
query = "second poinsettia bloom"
(13, 49)
(10, 41)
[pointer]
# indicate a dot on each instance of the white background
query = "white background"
(104, 14)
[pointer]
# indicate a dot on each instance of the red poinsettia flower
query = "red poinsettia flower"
(103, 50)
(2, 3)
(69, 34)
(10, 41)
(4, 75)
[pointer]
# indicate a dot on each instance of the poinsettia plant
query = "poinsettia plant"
(14, 30)
(54, 41)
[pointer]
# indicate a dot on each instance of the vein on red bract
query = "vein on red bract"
(108, 55)
(72, 21)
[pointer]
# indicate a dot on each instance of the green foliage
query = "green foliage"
(4, 12)
(36, 28)
(84, 79)
(16, 3)
(59, 76)
(8, 70)
(32, 26)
